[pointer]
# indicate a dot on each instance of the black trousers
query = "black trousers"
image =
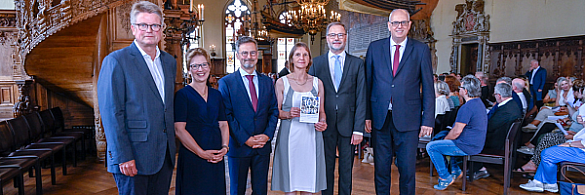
(389, 142)
(332, 141)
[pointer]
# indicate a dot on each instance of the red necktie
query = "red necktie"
(396, 60)
(252, 91)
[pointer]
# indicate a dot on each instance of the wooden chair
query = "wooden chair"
(422, 142)
(27, 145)
(60, 130)
(22, 164)
(569, 166)
(11, 172)
(505, 157)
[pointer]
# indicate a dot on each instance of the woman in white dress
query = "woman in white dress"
(299, 160)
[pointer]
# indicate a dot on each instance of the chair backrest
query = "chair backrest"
(6, 139)
(439, 123)
(59, 119)
(451, 116)
(512, 137)
(20, 129)
(36, 127)
(47, 120)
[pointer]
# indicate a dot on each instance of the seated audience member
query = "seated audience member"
(551, 96)
(508, 81)
(565, 95)
(467, 136)
(441, 102)
(485, 89)
(498, 124)
(546, 140)
(545, 177)
(523, 99)
(454, 87)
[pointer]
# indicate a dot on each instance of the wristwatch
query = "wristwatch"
(226, 147)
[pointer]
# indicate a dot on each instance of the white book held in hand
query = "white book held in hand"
(309, 109)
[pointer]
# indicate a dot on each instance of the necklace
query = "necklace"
(306, 79)
(203, 93)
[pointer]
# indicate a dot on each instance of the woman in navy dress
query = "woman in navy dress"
(201, 126)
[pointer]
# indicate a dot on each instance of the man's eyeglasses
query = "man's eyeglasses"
(245, 53)
(339, 35)
(461, 87)
(204, 65)
(144, 27)
(396, 23)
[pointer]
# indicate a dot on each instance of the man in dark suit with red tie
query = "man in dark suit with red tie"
(250, 106)
(401, 101)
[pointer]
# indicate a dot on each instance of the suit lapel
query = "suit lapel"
(324, 60)
(346, 65)
(168, 78)
(405, 55)
(143, 70)
(386, 54)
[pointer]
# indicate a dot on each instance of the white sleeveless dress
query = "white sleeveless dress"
(299, 158)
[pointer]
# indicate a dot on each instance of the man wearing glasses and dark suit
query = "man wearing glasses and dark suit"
(344, 81)
(135, 96)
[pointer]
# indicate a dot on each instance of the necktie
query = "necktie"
(252, 91)
(396, 60)
(337, 70)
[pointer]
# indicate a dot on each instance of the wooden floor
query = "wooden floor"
(91, 177)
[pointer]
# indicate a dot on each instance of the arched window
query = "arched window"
(235, 15)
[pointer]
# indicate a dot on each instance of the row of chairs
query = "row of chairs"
(29, 140)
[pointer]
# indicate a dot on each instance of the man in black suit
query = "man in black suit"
(401, 101)
(344, 80)
(284, 70)
(499, 123)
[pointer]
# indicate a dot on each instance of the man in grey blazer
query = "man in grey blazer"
(135, 96)
(344, 80)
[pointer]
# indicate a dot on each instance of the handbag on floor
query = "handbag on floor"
(368, 155)
(569, 187)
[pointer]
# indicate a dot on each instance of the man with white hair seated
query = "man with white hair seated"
(498, 124)
(522, 100)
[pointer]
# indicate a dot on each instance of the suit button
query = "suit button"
(336, 96)
(164, 130)
(254, 118)
(392, 85)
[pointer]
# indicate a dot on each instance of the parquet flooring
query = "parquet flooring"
(91, 177)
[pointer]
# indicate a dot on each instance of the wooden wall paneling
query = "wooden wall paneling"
(561, 56)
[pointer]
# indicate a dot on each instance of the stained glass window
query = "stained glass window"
(235, 15)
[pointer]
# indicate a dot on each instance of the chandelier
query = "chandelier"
(312, 16)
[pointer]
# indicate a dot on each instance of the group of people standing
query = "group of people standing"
(142, 116)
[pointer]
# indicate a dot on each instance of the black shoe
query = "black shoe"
(479, 175)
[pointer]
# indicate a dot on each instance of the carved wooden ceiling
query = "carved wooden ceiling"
(419, 9)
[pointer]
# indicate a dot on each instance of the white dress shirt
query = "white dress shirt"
(533, 73)
(247, 84)
(332, 65)
(392, 50)
(155, 68)
(524, 101)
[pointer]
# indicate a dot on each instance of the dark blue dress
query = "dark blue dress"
(194, 174)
